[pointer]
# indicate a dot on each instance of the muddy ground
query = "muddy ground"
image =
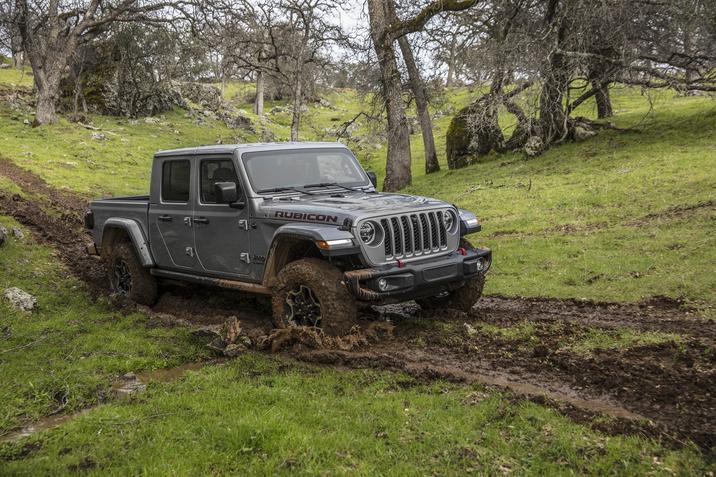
(524, 345)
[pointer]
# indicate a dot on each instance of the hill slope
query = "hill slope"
(619, 217)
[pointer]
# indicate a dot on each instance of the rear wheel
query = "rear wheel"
(310, 292)
(463, 298)
(127, 276)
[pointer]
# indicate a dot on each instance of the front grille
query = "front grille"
(411, 235)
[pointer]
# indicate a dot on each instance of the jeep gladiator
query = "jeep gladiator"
(301, 222)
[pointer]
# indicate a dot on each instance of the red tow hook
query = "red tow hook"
(401, 264)
(462, 251)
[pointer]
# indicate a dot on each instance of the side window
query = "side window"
(175, 181)
(213, 171)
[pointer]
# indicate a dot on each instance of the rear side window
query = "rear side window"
(213, 171)
(175, 181)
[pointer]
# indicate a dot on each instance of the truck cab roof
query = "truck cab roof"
(231, 148)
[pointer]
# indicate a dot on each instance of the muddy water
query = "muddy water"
(49, 422)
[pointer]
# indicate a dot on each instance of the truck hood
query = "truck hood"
(352, 205)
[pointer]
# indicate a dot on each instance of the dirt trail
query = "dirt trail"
(671, 384)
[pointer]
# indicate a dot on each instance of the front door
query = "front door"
(221, 233)
(170, 219)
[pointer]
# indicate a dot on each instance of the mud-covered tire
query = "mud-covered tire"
(461, 299)
(338, 308)
(142, 286)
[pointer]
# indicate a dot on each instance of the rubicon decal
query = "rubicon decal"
(307, 217)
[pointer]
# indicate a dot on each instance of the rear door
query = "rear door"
(170, 215)
(221, 233)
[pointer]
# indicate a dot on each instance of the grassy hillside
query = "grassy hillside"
(621, 216)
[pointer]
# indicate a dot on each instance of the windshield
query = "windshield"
(271, 170)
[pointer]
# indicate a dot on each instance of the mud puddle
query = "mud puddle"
(49, 422)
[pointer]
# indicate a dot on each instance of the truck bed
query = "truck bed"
(129, 207)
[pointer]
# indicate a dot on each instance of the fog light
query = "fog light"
(382, 284)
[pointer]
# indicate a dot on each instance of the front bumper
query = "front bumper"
(394, 283)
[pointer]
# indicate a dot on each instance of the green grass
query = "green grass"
(574, 222)
(599, 339)
(260, 416)
(65, 355)
(14, 77)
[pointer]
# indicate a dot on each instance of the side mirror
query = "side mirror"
(225, 192)
(373, 178)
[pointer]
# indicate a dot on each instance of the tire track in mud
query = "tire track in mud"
(56, 221)
(671, 384)
(661, 390)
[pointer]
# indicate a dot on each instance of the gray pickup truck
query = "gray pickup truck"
(301, 222)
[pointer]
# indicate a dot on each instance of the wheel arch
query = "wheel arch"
(286, 248)
(117, 230)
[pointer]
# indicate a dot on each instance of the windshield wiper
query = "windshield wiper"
(284, 189)
(331, 184)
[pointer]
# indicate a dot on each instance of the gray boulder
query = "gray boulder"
(581, 133)
(3, 235)
(534, 146)
(17, 233)
(20, 299)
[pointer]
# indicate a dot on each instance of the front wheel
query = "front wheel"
(311, 292)
(127, 276)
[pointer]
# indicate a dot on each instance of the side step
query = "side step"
(217, 282)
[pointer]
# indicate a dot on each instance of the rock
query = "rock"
(207, 332)
(17, 233)
(581, 133)
(98, 136)
(325, 103)
(469, 329)
(151, 120)
(3, 235)
(239, 121)
(26, 122)
(20, 299)
(234, 349)
(278, 110)
(217, 344)
(208, 96)
(129, 377)
(534, 146)
(245, 341)
(230, 330)
(4, 66)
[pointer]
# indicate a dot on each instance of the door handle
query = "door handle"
(165, 218)
(201, 220)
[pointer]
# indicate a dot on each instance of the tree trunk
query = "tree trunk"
(552, 120)
(451, 64)
(259, 99)
(421, 104)
(48, 91)
(603, 100)
(297, 103)
(397, 170)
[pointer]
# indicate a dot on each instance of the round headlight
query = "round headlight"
(448, 219)
(367, 232)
